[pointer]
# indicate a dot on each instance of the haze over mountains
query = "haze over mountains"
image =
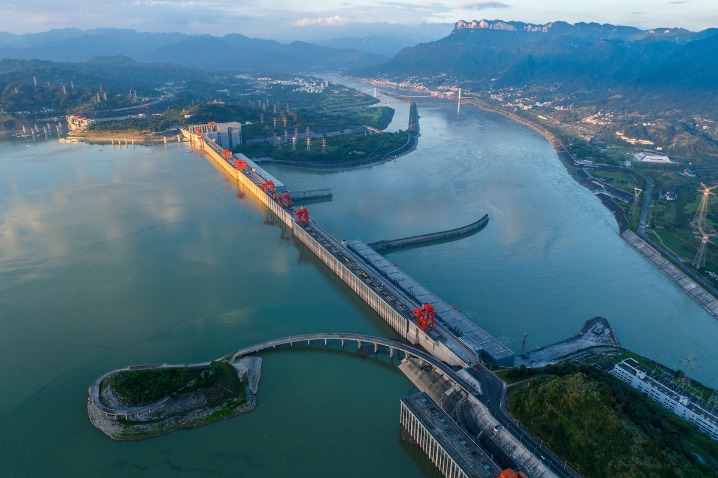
(231, 52)
(497, 54)
(665, 66)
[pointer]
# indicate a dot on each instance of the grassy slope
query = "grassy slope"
(606, 429)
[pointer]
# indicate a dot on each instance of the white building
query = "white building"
(651, 158)
(669, 395)
(227, 135)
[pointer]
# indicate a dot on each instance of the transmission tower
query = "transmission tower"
(700, 259)
(636, 194)
(699, 220)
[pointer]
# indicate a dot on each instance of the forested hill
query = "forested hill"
(566, 58)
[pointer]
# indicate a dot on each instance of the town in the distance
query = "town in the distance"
(631, 115)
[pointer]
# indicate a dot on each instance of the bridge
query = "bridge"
(360, 339)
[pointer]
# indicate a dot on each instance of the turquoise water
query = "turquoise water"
(110, 257)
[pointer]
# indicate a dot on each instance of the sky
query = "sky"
(324, 19)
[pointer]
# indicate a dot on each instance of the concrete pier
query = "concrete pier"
(434, 237)
(311, 194)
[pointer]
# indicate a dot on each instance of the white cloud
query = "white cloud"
(481, 5)
(336, 20)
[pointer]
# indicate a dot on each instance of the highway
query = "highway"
(493, 397)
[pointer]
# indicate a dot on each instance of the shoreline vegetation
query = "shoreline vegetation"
(136, 403)
(602, 427)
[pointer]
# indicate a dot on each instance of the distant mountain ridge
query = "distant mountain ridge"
(233, 52)
(565, 58)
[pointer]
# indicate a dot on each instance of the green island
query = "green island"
(601, 426)
(142, 402)
(346, 126)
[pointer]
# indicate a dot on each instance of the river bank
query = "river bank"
(693, 285)
(410, 145)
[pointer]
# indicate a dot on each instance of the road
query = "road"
(493, 398)
(646, 208)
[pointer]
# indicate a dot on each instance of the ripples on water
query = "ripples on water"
(115, 257)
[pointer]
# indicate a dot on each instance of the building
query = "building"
(651, 158)
(663, 390)
(450, 448)
(226, 135)
(78, 123)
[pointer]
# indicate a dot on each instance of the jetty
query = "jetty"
(434, 237)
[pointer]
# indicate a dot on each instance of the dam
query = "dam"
(399, 300)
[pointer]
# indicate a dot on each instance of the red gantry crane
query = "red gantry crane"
(302, 216)
(241, 165)
(425, 317)
(284, 200)
(268, 186)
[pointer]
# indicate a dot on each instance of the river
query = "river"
(110, 257)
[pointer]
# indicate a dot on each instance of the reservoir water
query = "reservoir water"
(110, 257)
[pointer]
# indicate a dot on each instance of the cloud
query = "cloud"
(480, 5)
(336, 20)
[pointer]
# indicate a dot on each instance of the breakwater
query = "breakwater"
(434, 237)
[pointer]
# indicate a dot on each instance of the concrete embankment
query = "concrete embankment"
(693, 289)
(595, 334)
(183, 409)
(686, 279)
(434, 237)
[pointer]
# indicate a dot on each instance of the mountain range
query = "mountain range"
(233, 52)
(565, 58)
(662, 67)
